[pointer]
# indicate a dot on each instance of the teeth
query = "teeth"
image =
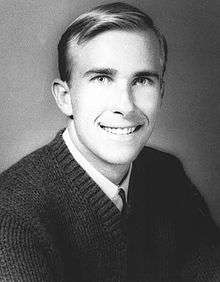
(119, 131)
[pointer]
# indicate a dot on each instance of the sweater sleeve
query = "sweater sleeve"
(23, 256)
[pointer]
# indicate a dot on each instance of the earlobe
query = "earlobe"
(61, 93)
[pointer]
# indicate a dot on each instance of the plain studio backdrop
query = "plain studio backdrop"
(188, 125)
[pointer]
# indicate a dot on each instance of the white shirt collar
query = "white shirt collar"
(108, 187)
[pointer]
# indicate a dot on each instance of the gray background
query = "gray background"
(189, 122)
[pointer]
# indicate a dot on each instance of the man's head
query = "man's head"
(111, 61)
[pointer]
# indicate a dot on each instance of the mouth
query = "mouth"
(120, 130)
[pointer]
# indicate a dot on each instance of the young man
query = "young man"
(94, 204)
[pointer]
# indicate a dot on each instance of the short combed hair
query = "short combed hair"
(114, 16)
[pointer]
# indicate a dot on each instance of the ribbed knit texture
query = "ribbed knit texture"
(56, 224)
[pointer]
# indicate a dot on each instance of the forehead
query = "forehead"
(118, 49)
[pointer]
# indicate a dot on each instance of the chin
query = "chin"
(122, 157)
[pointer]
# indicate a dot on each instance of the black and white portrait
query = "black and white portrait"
(109, 141)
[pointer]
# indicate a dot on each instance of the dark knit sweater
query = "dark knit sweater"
(56, 224)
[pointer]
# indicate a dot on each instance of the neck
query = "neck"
(115, 173)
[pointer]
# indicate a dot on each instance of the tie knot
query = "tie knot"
(121, 193)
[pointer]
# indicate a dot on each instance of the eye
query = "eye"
(143, 81)
(102, 79)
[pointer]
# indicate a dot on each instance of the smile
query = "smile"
(120, 130)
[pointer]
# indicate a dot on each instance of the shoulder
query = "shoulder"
(171, 193)
(170, 185)
(33, 167)
(28, 170)
(159, 163)
(173, 188)
(24, 186)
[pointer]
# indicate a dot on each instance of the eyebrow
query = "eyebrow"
(147, 73)
(104, 71)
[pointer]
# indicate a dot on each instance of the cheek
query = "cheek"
(148, 102)
(86, 103)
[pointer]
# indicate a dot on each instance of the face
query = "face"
(115, 95)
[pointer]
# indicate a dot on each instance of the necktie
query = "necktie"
(121, 193)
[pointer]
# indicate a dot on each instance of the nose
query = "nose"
(123, 102)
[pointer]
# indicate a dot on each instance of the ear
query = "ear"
(61, 93)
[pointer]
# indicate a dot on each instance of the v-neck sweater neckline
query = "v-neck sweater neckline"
(85, 189)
